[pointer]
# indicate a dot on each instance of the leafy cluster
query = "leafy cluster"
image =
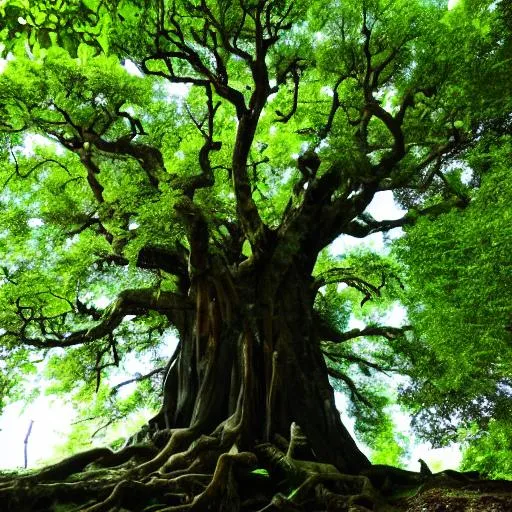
(458, 284)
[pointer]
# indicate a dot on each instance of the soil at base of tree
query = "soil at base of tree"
(488, 496)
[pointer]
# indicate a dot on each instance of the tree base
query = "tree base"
(178, 471)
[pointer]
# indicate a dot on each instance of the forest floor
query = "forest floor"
(482, 496)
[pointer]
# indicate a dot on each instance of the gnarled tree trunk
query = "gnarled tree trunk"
(249, 353)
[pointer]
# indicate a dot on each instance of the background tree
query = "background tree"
(210, 213)
(457, 288)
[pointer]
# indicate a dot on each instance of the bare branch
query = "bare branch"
(346, 276)
(137, 378)
(329, 333)
(334, 356)
(198, 235)
(174, 261)
(129, 302)
(149, 157)
(365, 225)
(354, 392)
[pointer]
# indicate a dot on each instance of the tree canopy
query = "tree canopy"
(458, 284)
(182, 169)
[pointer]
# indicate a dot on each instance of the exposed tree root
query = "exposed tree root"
(200, 473)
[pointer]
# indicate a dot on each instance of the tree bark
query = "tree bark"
(249, 357)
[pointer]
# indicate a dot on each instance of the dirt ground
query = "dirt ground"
(490, 496)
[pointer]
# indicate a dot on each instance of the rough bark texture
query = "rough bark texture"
(254, 355)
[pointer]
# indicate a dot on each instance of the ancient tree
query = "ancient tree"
(203, 186)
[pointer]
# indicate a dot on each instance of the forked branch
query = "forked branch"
(129, 302)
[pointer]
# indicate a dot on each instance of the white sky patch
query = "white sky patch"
(131, 111)
(102, 302)
(327, 90)
(345, 243)
(493, 6)
(355, 323)
(132, 69)
(272, 84)
(35, 223)
(396, 316)
(452, 4)
(52, 424)
(31, 141)
(70, 241)
(466, 176)
(177, 90)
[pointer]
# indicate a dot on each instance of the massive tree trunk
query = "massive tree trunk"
(246, 389)
(249, 355)
(248, 421)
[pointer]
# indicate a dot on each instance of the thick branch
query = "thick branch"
(129, 302)
(171, 261)
(149, 157)
(284, 118)
(361, 227)
(198, 235)
(252, 224)
(329, 333)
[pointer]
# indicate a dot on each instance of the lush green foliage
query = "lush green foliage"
(457, 273)
(458, 289)
(490, 451)
(83, 194)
